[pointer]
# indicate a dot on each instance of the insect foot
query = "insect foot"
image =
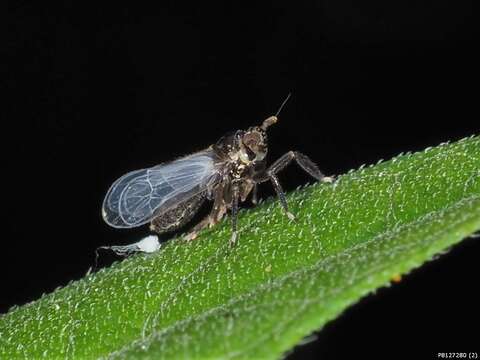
(290, 215)
(233, 239)
(191, 236)
(328, 179)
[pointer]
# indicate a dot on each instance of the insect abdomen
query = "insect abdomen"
(178, 215)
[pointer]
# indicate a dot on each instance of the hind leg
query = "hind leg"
(218, 211)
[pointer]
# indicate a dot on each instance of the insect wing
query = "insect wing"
(137, 197)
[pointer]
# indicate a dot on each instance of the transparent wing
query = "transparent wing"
(139, 196)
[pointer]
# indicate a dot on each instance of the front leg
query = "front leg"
(255, 194)
(303, 161)
(234, 205)
(281, 195)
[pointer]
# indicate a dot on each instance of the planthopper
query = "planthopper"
(168, 195)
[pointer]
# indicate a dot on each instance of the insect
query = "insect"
(168, 195)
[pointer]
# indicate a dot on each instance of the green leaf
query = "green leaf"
(282, 281)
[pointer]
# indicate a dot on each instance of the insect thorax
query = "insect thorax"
(242, 150)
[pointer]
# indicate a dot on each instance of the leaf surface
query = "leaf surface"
(283, 280)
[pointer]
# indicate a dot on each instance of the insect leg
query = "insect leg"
(281, 195)
(255, 194)
(235, 194)
(270, 175)
(303, 161)
(214, 217)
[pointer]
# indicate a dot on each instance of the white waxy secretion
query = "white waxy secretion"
(148, 244)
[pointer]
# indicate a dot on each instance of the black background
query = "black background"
(93, 92)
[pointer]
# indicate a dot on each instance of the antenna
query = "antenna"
(283, 104)
(273, 119)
